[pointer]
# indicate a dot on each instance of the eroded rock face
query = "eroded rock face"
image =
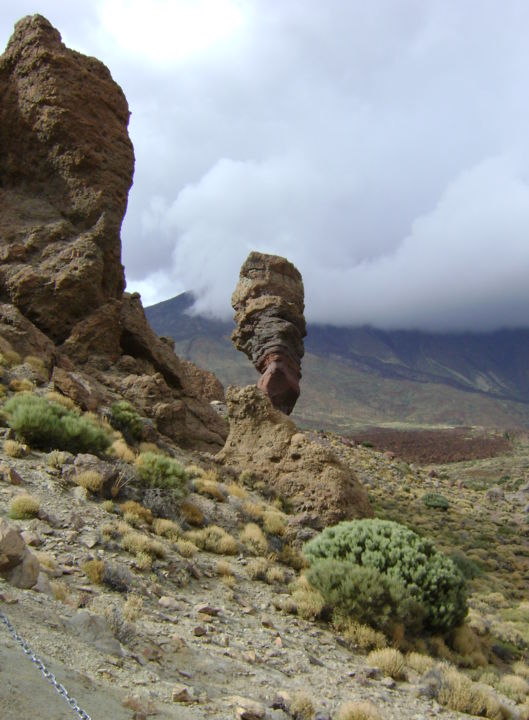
(266, 443)
(66, 166)
(269, 304)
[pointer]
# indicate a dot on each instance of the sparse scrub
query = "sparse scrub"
(122, 451)
(459, 693)
(214, 539)
(23, 507)
(38, 365)
(143, 560)
(133, 607)
(186, 548)
(131, 507)
(108, 506)
(224, 568)
(237, 490)
(358, 636)
(21, 385)
(254, 539)
(14, 449)
(275, 575)
(60, 591)
(137, 543)
(89, 479)
(309, 603)
(123, 417)
(94, 571)
(426, 577)
(435, 501)
(274, 523)
(292, 557)
(162, 472)
(167, 528)
(419, 662)
(516, 688)
(56, 459)
(49, 426)
(389, 660)
(253, 510)
(191, 513)
(10, 358)
(194, 471)
(257, 568)
(60, 399)
(301, 706)
(207, 484)
(363, 710)
(117, 577)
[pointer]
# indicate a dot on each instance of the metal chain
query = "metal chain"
(50, 677)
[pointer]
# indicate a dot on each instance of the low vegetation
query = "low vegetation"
(160, 471)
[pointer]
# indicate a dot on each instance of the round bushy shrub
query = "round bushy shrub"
(436, 501)
(123, 417)
(365, 594)
(395, 551)
(50, 426)
(163, 472)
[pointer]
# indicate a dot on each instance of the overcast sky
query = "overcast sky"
(382, 146)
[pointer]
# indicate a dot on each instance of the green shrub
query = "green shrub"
(365, 594)
(123, 417)
(50, 426)
(161, 471)
(395, 551)
(435, 500)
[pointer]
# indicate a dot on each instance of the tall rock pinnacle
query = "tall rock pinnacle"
(269, 304)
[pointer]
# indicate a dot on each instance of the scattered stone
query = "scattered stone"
(184, 694)
(207, 610)
(200, 631)
(247, 709)
(168, 602)
(17, 564)
(10, 475)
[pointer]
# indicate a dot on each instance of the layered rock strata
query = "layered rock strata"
(309, 476)
(269, 304)
(66, 166)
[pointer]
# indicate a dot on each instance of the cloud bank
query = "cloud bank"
(382, 147)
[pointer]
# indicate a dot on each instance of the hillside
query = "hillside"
(363, 376)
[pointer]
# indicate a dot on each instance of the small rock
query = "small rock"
(207, 610)
(266, 621)
(184, 694)
(43, 584)
(31, 538)
(199, 631)
(388, 682)
(168, 602)
(10, 475)
(247, 709)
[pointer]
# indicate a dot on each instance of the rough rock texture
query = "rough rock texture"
(17, 565)
(265, 442)
(66, 165)
(269, 303)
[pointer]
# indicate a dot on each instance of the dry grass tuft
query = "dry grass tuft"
(186, 548)
(94, 571)
(23, 507)
(275, 575)
(308, 602)
(214, 539)
(60, 399)
(521, 668)
(515, 687)
(389, 660)
(89, 479)
(131, 507)
(137, 543)
(38, 365)
(149, 447)
(237, 490)
(167, 528)
(274, 522)
(18, 385)
(194, 471)
(208, 484)
(254, 539)
(364, 710)
(257, 568)
(253, 510)
(459, 693)
(61, 591)
(133, 607)
(419, 662)
(143, 561)
(122, 451)
(301, 706)
(293, 558)
(56, 459)
(191, 513)
(358, 636)
(14, 449)
(224, 569)
(10, 358)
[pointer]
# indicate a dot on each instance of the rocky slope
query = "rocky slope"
(66, 165)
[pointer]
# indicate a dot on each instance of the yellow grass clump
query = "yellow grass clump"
(143, 560)
(207, 484)
(358, 636)
(253, 510)
(23, 507)
(275, 575)
(14, 449)
(308, 602)
(419, 662)
(515, 687)
(186, 548)
(94, 571)
(131, 507)
(133, 607)
(191, 513)
(254, 539)
(122, 451)
(214, 539)
(137, 543)
(274, 522)
(389, 660)
(256, 568)
(301, 706)
(194, 471)
(60, 399)
(363, 710)
(10, 358)
(21, 385)
(90, 479)
(37, 364)
(458, 692)
(237, 490)
(167, 528)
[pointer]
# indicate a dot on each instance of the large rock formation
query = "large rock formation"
(269, 303)
(269, 445)
(66, 166)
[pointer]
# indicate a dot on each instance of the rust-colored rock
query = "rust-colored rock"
(66, 165)
(264, 442)
(269, 304)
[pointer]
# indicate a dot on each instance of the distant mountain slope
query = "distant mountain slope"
(362, 376)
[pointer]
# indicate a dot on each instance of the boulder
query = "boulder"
(17, 564)
(266, 443)
(269, 304)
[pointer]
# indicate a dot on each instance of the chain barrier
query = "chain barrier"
(50, 677)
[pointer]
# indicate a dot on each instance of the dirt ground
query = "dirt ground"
(435, 446)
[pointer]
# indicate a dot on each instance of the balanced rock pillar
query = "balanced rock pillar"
(269, 304)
